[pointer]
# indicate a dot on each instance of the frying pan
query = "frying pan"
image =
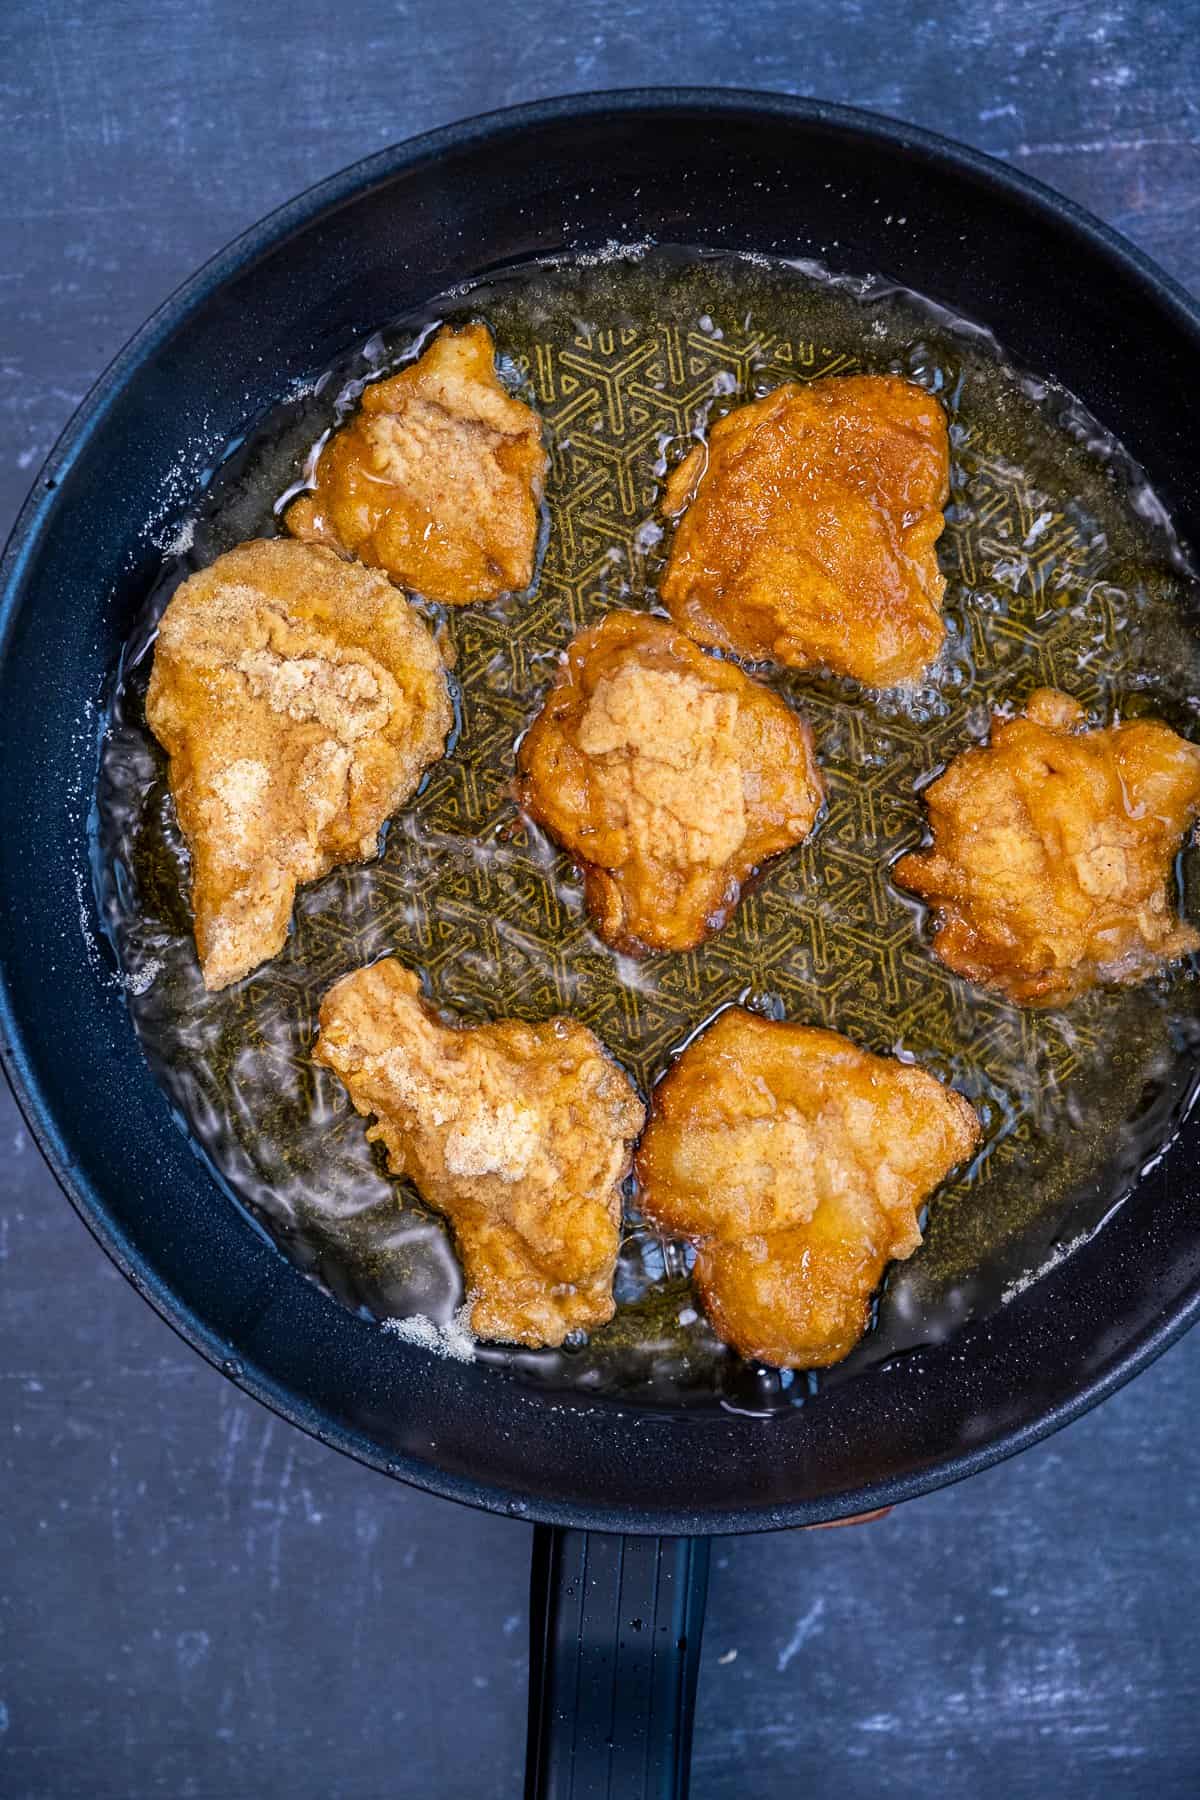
(624, 1499)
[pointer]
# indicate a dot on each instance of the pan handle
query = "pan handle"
(615, 1626)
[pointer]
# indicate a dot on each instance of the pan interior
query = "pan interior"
(1062, 569)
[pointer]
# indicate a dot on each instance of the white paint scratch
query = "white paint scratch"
(807, 1627)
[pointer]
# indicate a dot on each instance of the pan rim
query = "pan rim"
(36, 1105)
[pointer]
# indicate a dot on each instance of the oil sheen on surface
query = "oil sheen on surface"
(1061, 570)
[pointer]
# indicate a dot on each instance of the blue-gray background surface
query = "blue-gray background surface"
(195, 1599)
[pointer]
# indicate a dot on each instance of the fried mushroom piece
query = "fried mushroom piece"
(808, 530)
(437, 479)
(299, 699)
(669, 776)
(520, 1134)
(1052, 851)
(797, 1163)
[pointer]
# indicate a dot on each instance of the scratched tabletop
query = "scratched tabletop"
(196, 1600)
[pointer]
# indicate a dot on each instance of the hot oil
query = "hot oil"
(1061, 570)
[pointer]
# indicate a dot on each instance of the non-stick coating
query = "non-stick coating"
(740, 171)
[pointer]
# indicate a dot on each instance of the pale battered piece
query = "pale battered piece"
(299, 699)
(520, 1134)
(1052, 851)
(809, 530)
(669, 776)
(437, 478)
(797, 1163)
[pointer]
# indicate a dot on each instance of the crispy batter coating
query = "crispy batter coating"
(437, 478)
(797, 1163)
(809, 530)
(669, 776)
(520, 1134)
(1052, 850)
(299, 698)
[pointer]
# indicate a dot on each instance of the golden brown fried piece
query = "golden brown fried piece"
(810, 525)
(437, 478)
(1052, 849)
(669, 776)
(797, 1163)
(520, 1134)
(299, 698)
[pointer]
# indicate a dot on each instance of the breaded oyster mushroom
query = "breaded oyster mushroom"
(808, 527)
(670, 776)
(299, 699)
(797, 1163)
(437, 478)
(520, 1134)
(1050, 867)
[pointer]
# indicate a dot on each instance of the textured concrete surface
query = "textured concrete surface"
(194, 1599)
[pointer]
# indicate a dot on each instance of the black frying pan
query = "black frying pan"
(624, 1498)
